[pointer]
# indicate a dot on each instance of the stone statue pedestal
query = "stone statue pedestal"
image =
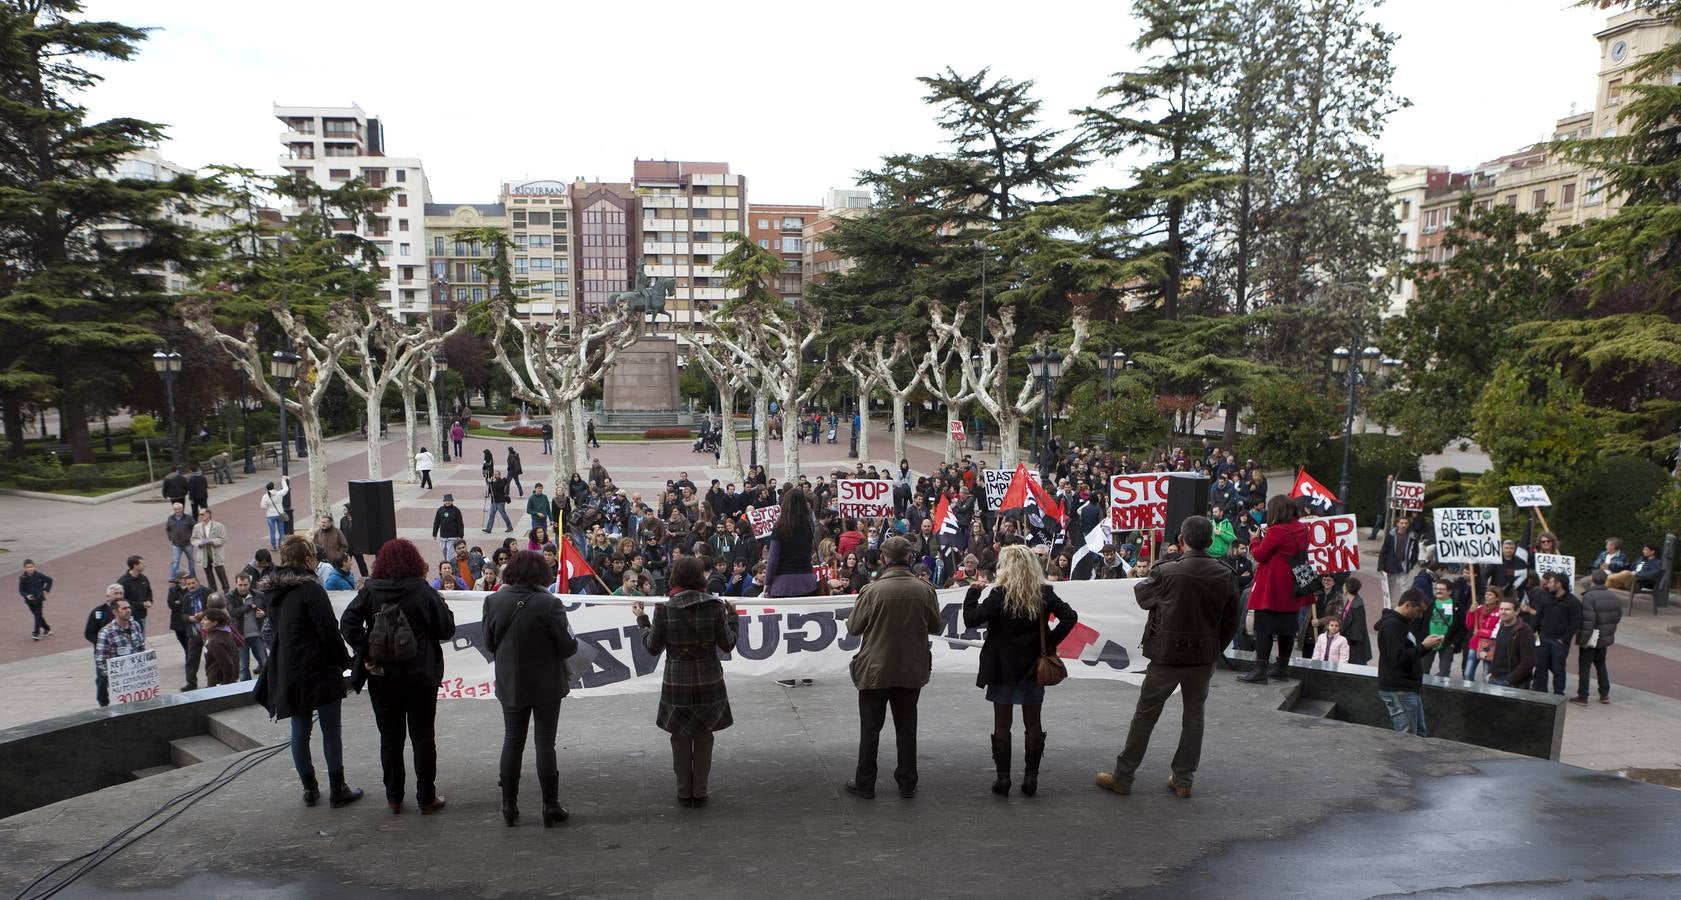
(643, 377)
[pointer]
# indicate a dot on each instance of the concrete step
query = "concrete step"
(230, 734)
(1318, 709)
(149, 772)
(196, 749)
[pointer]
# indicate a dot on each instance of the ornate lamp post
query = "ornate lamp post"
(440, 365)
(975, 358)
(283, 368)
(1371, 362)
(1114, 364)
(245, 424)
(167, 363)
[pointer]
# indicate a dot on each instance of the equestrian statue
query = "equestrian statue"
(649, 299)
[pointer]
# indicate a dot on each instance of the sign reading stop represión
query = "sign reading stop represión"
(864, 498)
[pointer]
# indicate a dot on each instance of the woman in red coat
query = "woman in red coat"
(1273, 599)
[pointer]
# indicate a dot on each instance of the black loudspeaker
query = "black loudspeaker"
(373, 516)
(1187, 495)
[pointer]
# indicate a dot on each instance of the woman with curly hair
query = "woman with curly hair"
(403, 685)
(1016, 616)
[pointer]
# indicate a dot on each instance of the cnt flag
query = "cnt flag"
(944, 521)
(1316, 493)
(572, 565)
(1024, 490)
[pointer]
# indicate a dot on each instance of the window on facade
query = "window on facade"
(764, 223)
(1614, 92)
(478, 294)
(1406, 209)
(402, 174)
(1567, 196)
(1512, 200)
(461, 294)
(764, 244)
(403, 250)
(522, 265)
(402, 199)
(402, 224)
(542, 265)
(1596, 191)
(338, 174)
(1538, 199)
(519, 218)
(539, 218)
(792, 245)
(540, 240)
(792, 223)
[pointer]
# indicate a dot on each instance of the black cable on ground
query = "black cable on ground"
(120, 841)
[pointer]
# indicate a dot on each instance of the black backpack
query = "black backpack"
(391, 638)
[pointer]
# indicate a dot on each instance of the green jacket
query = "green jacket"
(537, 504)
(1224, 534)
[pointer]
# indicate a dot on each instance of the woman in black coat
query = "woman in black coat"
(525, 631)
(404, 693)
(304, 678)
(1014, 615)
(788, 560)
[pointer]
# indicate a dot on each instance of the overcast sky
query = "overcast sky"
(798, 97)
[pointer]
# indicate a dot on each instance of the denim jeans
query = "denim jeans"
(491, 519)
(276, 531)
(254, 646)
(176, 554)
(1471, 662)
(548, 446)
(457, 447)
(100, 694)
(332, 746)
(1406, 711)
(40, 626)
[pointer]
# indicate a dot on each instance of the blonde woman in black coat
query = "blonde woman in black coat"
(525, 630)
(1014, 613)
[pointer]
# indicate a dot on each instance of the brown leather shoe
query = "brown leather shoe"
(427, 809)
(1183, 790)
(1108, 782)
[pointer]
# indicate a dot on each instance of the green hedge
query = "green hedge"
(1607, 503)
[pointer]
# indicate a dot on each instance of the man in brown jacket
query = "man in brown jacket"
(1194, 614)
(893, 618)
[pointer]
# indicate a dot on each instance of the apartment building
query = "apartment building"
(605, 217)
(454, 278)
(780, 228)
(147, 164)
(687, 208)
(1537, 178)
(331, 145)
(540, 223)
(819, 261)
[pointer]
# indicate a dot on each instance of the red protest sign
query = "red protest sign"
(864, 498)
(763, 520)
(1333, 543)
(1409, 495)
(955, 426)
(1138, 502)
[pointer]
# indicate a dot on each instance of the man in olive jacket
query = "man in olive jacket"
(893, 618)
(1193, 607)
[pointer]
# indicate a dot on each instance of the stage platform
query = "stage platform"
(1286, 805)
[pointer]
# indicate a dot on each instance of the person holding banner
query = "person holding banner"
(120, 637)
(893, 618)
(1016, 617)
(1273, 598)
(304, 679)
(404, 692)
(690, 628)
(526, 632)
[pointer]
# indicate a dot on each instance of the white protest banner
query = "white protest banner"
(1554, 562)
(763, 519)
(1527, 496)
(134, 677)
(864, 498)
(1468, 534)
(955, 427)
(801, 637)
(1409, 495)
(1333, 543)
(1138, 502)
(997, 481)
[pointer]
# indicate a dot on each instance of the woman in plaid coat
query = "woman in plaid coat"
(690, 628)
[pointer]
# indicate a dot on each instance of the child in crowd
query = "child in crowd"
(221, 643)
(1331, 645)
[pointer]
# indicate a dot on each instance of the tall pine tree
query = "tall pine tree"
(70, 302)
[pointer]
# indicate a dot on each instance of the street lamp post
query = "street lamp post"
(1045, 365)
(440, 364)
(1371, 361)
(250, 466)
(1117, 362)
(167, 363)
(283, 368)
(976, 359)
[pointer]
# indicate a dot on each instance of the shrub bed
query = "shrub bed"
(665, 432)
(528, 431)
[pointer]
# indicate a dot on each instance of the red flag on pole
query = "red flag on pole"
(572, 564)
(1023, 489)
(944, 521)
(1316, 493)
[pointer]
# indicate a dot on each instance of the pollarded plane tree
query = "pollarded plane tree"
(943, 365)
(731, 375)
(557, 366)
(986, 373)
(380, 352)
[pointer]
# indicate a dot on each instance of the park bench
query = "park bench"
(1659, 592)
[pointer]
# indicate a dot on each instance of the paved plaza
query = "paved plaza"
(83, 547)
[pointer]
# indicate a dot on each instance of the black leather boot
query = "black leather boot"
(312, 788)
(1001, 761)
(1035, 752)
(342, 794)
(1257, 673)
(510, 802)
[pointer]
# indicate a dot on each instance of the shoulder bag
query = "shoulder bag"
(1049, 669)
